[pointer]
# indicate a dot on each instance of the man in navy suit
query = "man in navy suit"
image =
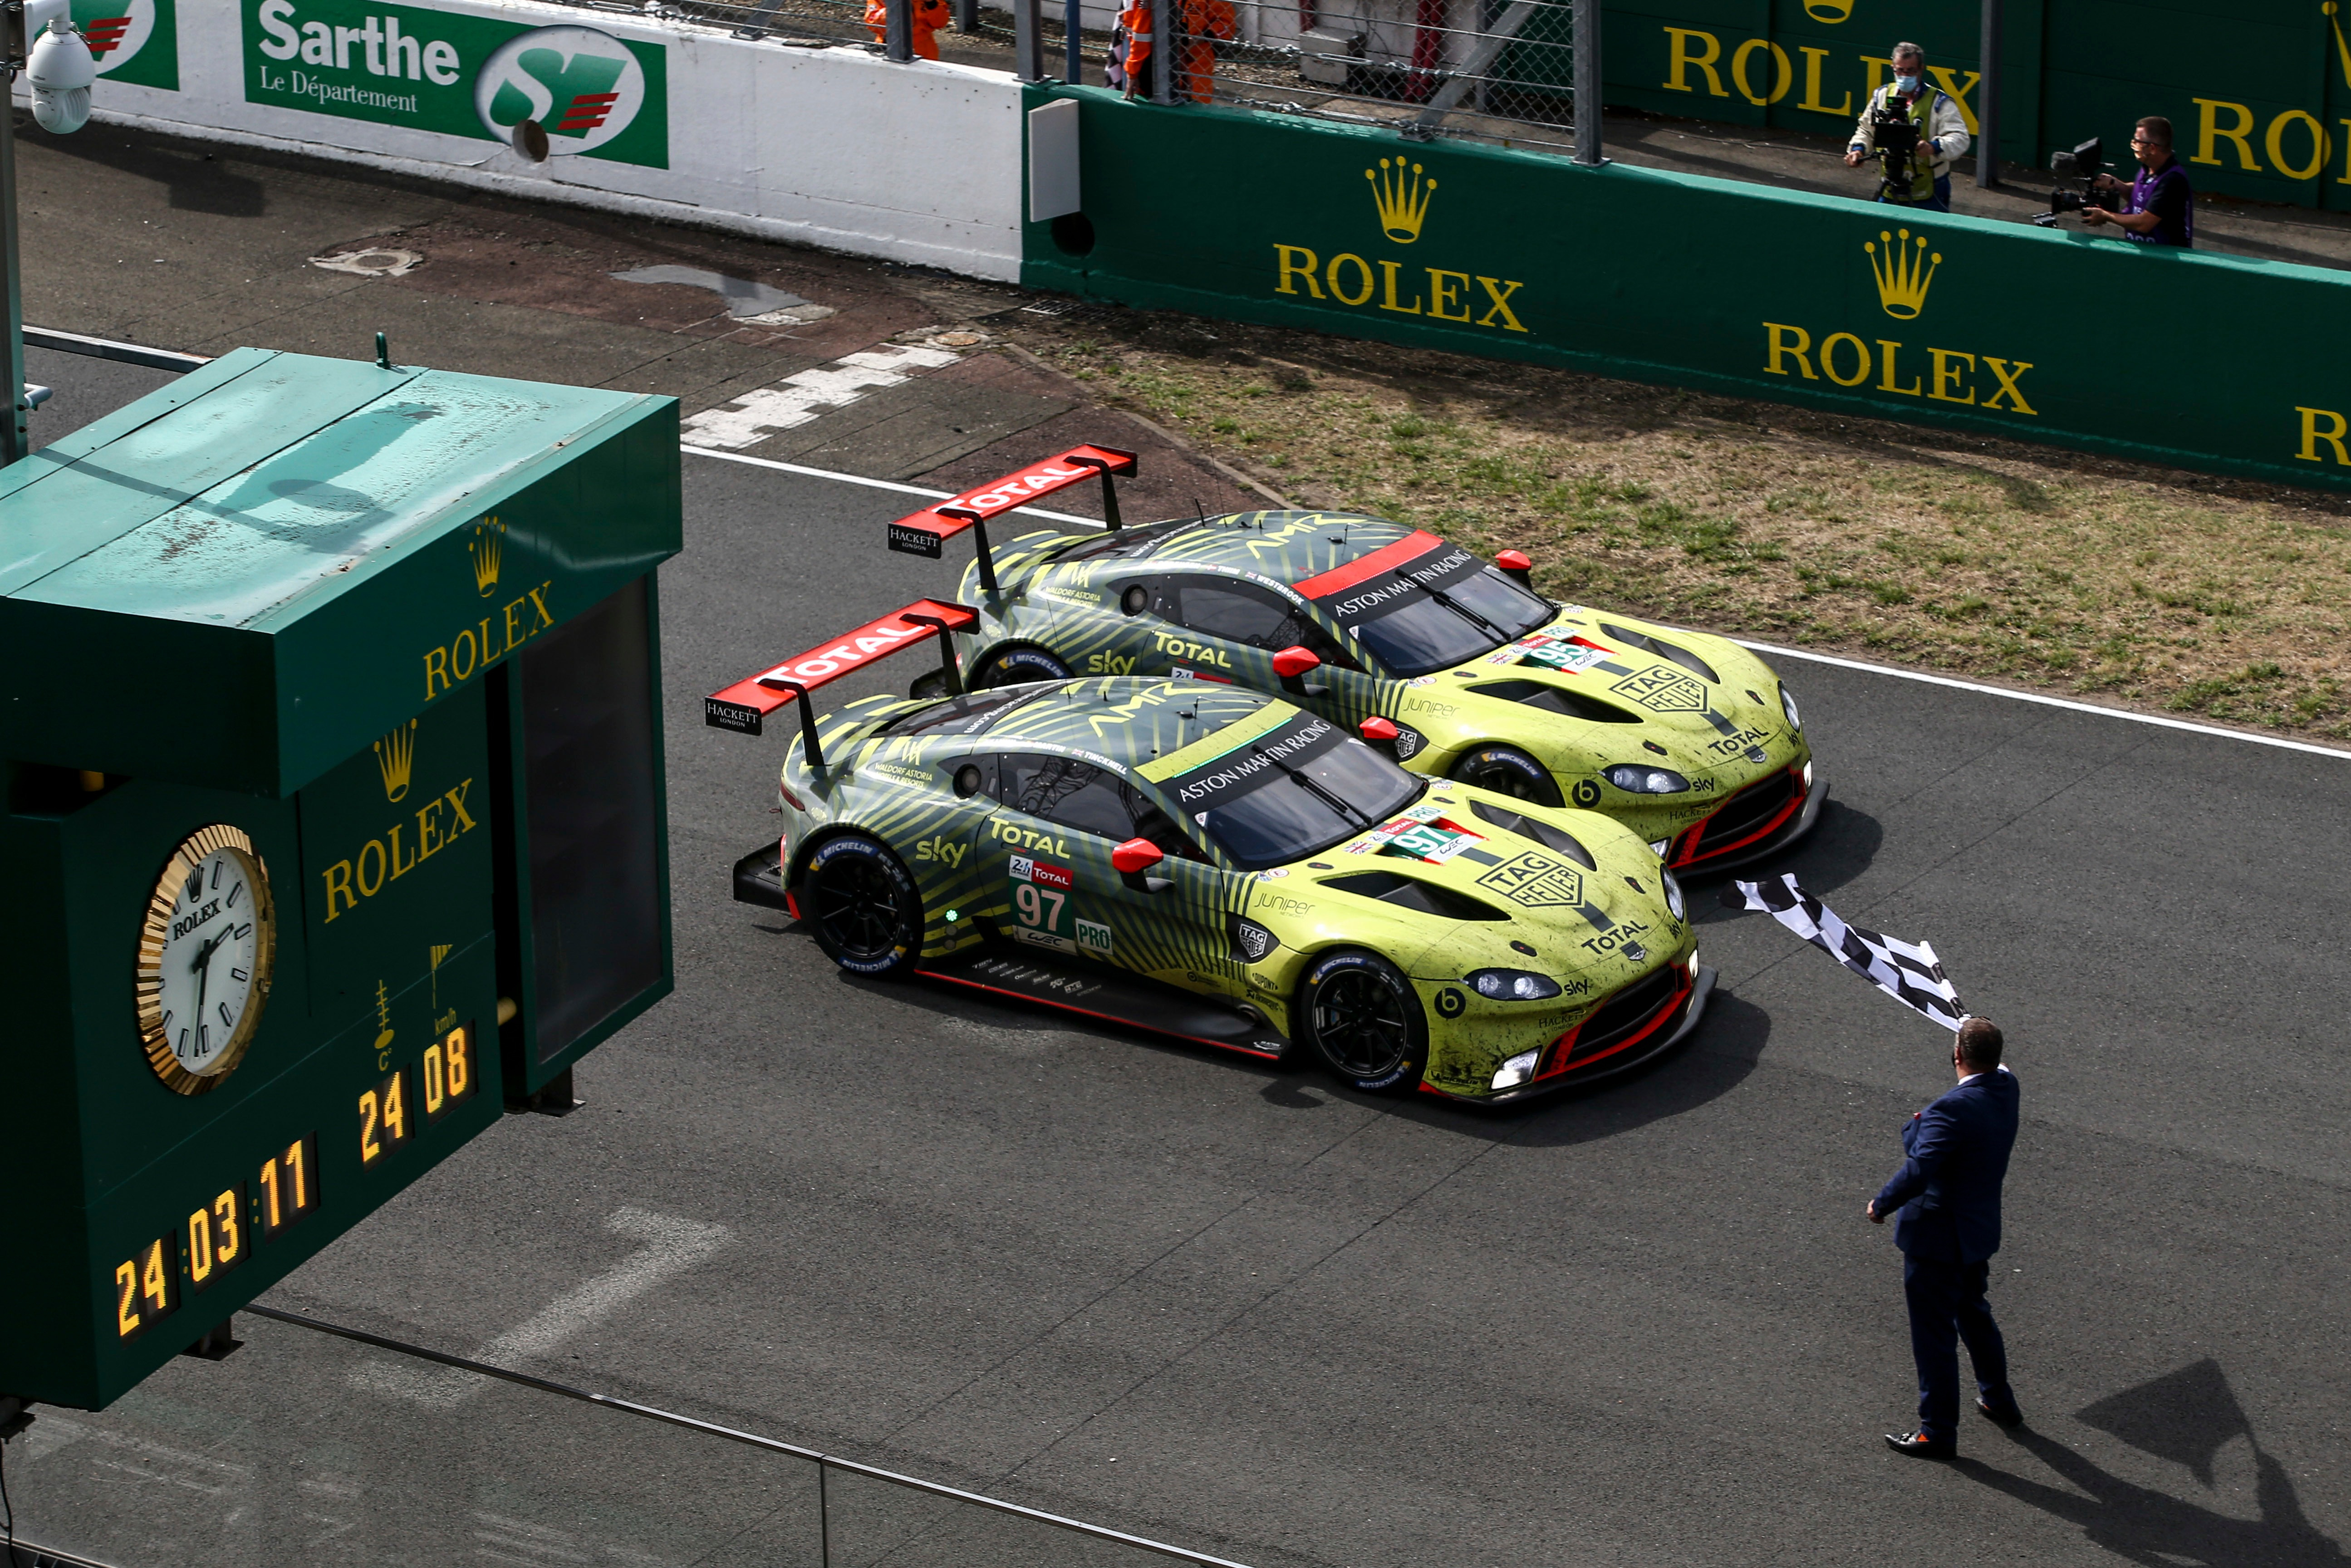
(1948, 1195)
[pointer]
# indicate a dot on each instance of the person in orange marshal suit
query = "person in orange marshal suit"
(930, 16)
(1204, 21)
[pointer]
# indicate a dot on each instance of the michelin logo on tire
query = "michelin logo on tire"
(583, 85)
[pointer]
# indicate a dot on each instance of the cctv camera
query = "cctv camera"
(59, 71)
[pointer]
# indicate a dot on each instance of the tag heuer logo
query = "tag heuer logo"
(1663, 690)
(1535, 880)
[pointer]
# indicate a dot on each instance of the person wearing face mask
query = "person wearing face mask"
(1925, 180)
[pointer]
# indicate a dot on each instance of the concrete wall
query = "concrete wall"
(831, 147)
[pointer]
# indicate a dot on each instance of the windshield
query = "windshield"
(1422, 604)
(1293, 792)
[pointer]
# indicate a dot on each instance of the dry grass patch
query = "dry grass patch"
(2218, 598)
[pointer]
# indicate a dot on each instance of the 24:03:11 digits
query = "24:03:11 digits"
(219, 1233)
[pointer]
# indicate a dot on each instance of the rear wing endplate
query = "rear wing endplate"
(744, 706)
(926, 532)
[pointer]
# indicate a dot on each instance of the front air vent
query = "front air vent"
(1663, 650)
(1543, 833)
(1410, 892)
(1558, 700)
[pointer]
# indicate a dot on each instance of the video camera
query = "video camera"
(2081, 163)
(1894, 136)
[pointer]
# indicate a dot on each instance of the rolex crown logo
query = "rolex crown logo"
(485, 547)
(1904, 272)
(395, 754)
(1402, 198)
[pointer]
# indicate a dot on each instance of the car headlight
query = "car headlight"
(1787, 706)
(1512, 985)
(1638, 778)
(1517, 1070)
(1674, 900)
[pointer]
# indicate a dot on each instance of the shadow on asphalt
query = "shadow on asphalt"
(1840, 848)
(2186, 1417)
(195, 181)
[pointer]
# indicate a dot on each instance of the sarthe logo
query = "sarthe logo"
(395, 756)
(1402, 199)
(581, 85)
(486, 547)
(1904, 270)
(118, 30)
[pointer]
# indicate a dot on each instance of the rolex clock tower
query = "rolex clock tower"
(334, 818)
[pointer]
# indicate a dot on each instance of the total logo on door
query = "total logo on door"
(460, 75)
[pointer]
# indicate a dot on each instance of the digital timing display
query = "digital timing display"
(220, 1231)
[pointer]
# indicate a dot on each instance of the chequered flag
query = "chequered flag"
(1909, 972)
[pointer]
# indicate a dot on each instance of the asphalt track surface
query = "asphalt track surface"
(1189, 1296)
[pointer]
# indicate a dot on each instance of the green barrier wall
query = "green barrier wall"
(2207, 362)
(2258, 91)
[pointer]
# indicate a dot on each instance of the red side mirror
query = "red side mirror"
(1134, 857)
(1292, 662)
(1517, 563)
(1378, 731)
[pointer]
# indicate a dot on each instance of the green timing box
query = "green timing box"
(335, 802)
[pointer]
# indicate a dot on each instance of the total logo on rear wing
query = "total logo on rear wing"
(744, 706)
(925, 533)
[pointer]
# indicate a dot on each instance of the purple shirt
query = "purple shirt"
(2166, 195)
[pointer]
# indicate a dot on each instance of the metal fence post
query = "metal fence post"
(1162, 65)
(1988, 102)
(966, 15)
(898, 31)
(1073, 21)
(1027, 39)
(1586, 85)
(15, 438)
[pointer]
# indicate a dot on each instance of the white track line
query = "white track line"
(670, 1246)
(871, 484)
(1899, 675)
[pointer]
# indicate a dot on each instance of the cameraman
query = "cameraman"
(1924, 179)
(2161, 209)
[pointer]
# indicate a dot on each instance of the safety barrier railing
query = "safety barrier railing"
(319, 1443)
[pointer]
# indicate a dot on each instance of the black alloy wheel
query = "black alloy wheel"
(863, 906)
(1018, 665)
(1364, 1019)
(1507, 771)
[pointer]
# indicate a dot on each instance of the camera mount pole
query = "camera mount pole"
(1988, 102)
(14, 437)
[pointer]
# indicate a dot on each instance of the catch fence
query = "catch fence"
(320, 1442)
(1508, 71)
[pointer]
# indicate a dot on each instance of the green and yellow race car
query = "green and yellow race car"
(1216, 863)
(1688, 739)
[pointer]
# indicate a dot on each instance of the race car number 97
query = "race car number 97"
(1039, 906)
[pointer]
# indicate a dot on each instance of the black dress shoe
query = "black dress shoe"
(1919, 1446)
(2011, 1417)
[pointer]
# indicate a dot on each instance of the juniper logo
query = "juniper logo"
(1403, 200)
(580, 84)
(1904, 272)
(395, 758)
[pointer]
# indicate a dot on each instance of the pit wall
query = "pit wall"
(2257, 92)
(831, 147)
(2214, 362)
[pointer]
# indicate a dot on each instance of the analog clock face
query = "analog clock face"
(204, 957)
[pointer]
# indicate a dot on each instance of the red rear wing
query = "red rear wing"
(926, 532)
(743, 706)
